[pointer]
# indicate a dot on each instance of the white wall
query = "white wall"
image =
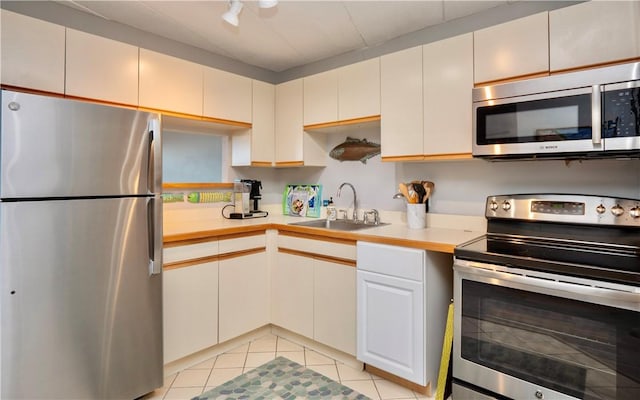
(461, 187)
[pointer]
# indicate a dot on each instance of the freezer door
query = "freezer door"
(81, 316)
(54, 147)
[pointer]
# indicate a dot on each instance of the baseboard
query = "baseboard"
(205, 354)
(338, 355)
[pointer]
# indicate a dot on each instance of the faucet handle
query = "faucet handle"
(343, 212)
(374, 213)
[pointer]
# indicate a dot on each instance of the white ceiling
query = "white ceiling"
(292, 34)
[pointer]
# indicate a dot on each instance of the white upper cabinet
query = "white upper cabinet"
(263, 129)
(401, 126)
(32, 53)
(321, 97)
(513, 49)
(448, 81)
(169, 83)
(226, 95)
(101, 69)
(289, 121)
(593, 33)
(359, 89)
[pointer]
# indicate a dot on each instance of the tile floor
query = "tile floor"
(215, 371)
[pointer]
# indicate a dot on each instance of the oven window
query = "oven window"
(584, 350)
(558, 119)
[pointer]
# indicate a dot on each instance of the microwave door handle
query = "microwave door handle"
(596, 115)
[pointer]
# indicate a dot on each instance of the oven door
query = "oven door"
(550, 124)
(533, 335)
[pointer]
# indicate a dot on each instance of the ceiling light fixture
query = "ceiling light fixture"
(231, 16)
(235, 6)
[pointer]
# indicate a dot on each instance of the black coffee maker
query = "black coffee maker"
(255, 195)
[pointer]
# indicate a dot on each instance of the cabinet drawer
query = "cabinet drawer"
(242, 243)
(395, 261)
(190, 251)
(321, 247)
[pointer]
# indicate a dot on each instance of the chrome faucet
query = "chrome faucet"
(355, 201)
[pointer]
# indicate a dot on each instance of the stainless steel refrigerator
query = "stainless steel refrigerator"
(80, 250)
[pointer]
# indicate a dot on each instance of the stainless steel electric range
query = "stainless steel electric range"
(547, 303)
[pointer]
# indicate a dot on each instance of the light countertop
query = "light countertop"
(443, 232)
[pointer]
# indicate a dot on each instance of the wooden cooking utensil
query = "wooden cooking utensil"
(405, 191)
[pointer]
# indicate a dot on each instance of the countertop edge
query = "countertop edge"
(368, 237)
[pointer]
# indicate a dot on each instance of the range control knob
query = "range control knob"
(635, 212)
(617, 210)
(493, 205)
(601, 209)
(506, 206)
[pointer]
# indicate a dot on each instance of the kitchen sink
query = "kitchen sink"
(340, 224)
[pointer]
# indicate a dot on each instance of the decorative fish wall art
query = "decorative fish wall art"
(355, 150)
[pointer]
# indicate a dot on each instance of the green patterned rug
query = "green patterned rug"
(281, 379)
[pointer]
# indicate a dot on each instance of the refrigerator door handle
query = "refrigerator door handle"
(154, 218)
(154, 167)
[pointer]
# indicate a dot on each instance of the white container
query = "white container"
(416, 216)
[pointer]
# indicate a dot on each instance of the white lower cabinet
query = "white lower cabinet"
(292, 293)
(334, 305)
(244, 295)
(403, 296)
(190, 309)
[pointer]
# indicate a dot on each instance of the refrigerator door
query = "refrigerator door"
(81, 316)
(54, 147)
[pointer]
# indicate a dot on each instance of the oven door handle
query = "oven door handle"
(605, 293)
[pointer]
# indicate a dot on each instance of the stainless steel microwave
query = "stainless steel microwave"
(586, 114)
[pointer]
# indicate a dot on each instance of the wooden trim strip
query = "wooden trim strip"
(187, 242)
(31, 91)
(448, 156)
(289, 163)
(416, 157)
(218, 257)
(323, 238)
(241, 234)
(316, 256)
(241, 253)
(426, 390)
(190, 262)
(215, 233)
(229, 122)
(197, 185)
(343, 122)
(195, 117)
(512, 79)
(261, 163)
(598, 65)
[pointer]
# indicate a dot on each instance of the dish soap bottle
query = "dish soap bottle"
(332, 214)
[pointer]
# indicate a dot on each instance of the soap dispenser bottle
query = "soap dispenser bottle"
(332, 214)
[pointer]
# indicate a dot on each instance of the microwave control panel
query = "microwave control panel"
(621, 113)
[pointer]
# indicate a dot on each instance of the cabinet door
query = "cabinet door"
(289, 122)
(263, 131)
(321, 97)
(292, 293)
(391, 333)
(448, 80)
(32, 53)
(401, 124)
(100, 68)
(359, 89)
(226, 95)
(514, 49)
(190, 309)
(244, 295)
(334, 305)
(593, 33)
(170, 84)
